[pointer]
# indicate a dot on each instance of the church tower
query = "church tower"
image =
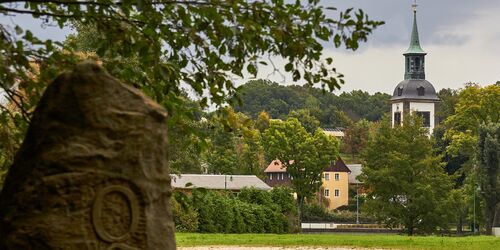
(414, 93)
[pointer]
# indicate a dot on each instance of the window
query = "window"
(337, 193)
(327, 192)
(407, 64)
(400, 91)
(426, 117)
(337, 177)
(417, 64)
(397, 118)
(270, 176)
(421, 91)
(327, 176)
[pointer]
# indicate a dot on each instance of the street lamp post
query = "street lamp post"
(474, 212)
(357, 204)
(225, 180)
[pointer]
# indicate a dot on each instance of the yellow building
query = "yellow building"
(335, 187)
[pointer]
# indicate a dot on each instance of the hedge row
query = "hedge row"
(250, 211)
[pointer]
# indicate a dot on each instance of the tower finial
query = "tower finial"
(414, 41)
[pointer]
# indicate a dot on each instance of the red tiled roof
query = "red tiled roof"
(275, 167)
(337, 166)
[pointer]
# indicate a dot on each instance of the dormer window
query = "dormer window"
(400, 91)
(421, 91)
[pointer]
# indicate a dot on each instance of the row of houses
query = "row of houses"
(334, 192)
(336, 180)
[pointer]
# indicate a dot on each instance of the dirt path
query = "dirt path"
(270, 248)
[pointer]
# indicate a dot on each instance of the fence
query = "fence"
(318, 225)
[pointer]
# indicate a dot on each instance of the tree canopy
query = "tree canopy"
(305, 156)
(329, 109)
(476, 106)
(488, 155)
(407, 183)
(234, 144)
(199, 43)
(161, 45)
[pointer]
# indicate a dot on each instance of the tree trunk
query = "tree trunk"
(490, 216)
(410, 228)
(460, 224)
(300, 203)
(496, 220)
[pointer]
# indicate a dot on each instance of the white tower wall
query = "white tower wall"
(396, 107)
(424, 107)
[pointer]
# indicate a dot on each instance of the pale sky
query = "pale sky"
(461, 37)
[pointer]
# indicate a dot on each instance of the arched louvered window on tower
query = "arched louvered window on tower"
(421, 91)
(400, 91)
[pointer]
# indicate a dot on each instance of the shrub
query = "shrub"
(185, 217)
(315, 213)
(255, 196)
(282, 196)
(251, 211)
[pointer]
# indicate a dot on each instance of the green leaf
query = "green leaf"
(252, 69)
(19, 30)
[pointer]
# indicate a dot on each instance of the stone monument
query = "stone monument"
(92, 171)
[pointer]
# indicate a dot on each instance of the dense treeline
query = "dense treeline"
(331, 110)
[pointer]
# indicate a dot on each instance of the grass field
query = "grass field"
(347, 240)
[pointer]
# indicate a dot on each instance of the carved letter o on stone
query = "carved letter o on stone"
(119, 206)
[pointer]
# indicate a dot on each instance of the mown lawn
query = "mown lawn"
(351, 240)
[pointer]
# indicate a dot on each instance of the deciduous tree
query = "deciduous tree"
(309, 122)
(407, 183)
(356, 137)
(202, 44)
(488, 156)
(234, 144)
(476, 106)
(263, 121)
(304, 155)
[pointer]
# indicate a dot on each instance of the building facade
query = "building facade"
(335, 187)
(276, 175)
(414, 94)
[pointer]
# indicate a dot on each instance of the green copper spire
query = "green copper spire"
(414, 42)
(415, 55)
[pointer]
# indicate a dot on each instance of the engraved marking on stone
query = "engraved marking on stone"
(115, 214)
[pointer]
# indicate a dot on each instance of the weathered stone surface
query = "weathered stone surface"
(92, 170)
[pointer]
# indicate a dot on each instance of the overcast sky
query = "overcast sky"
(461, 37)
